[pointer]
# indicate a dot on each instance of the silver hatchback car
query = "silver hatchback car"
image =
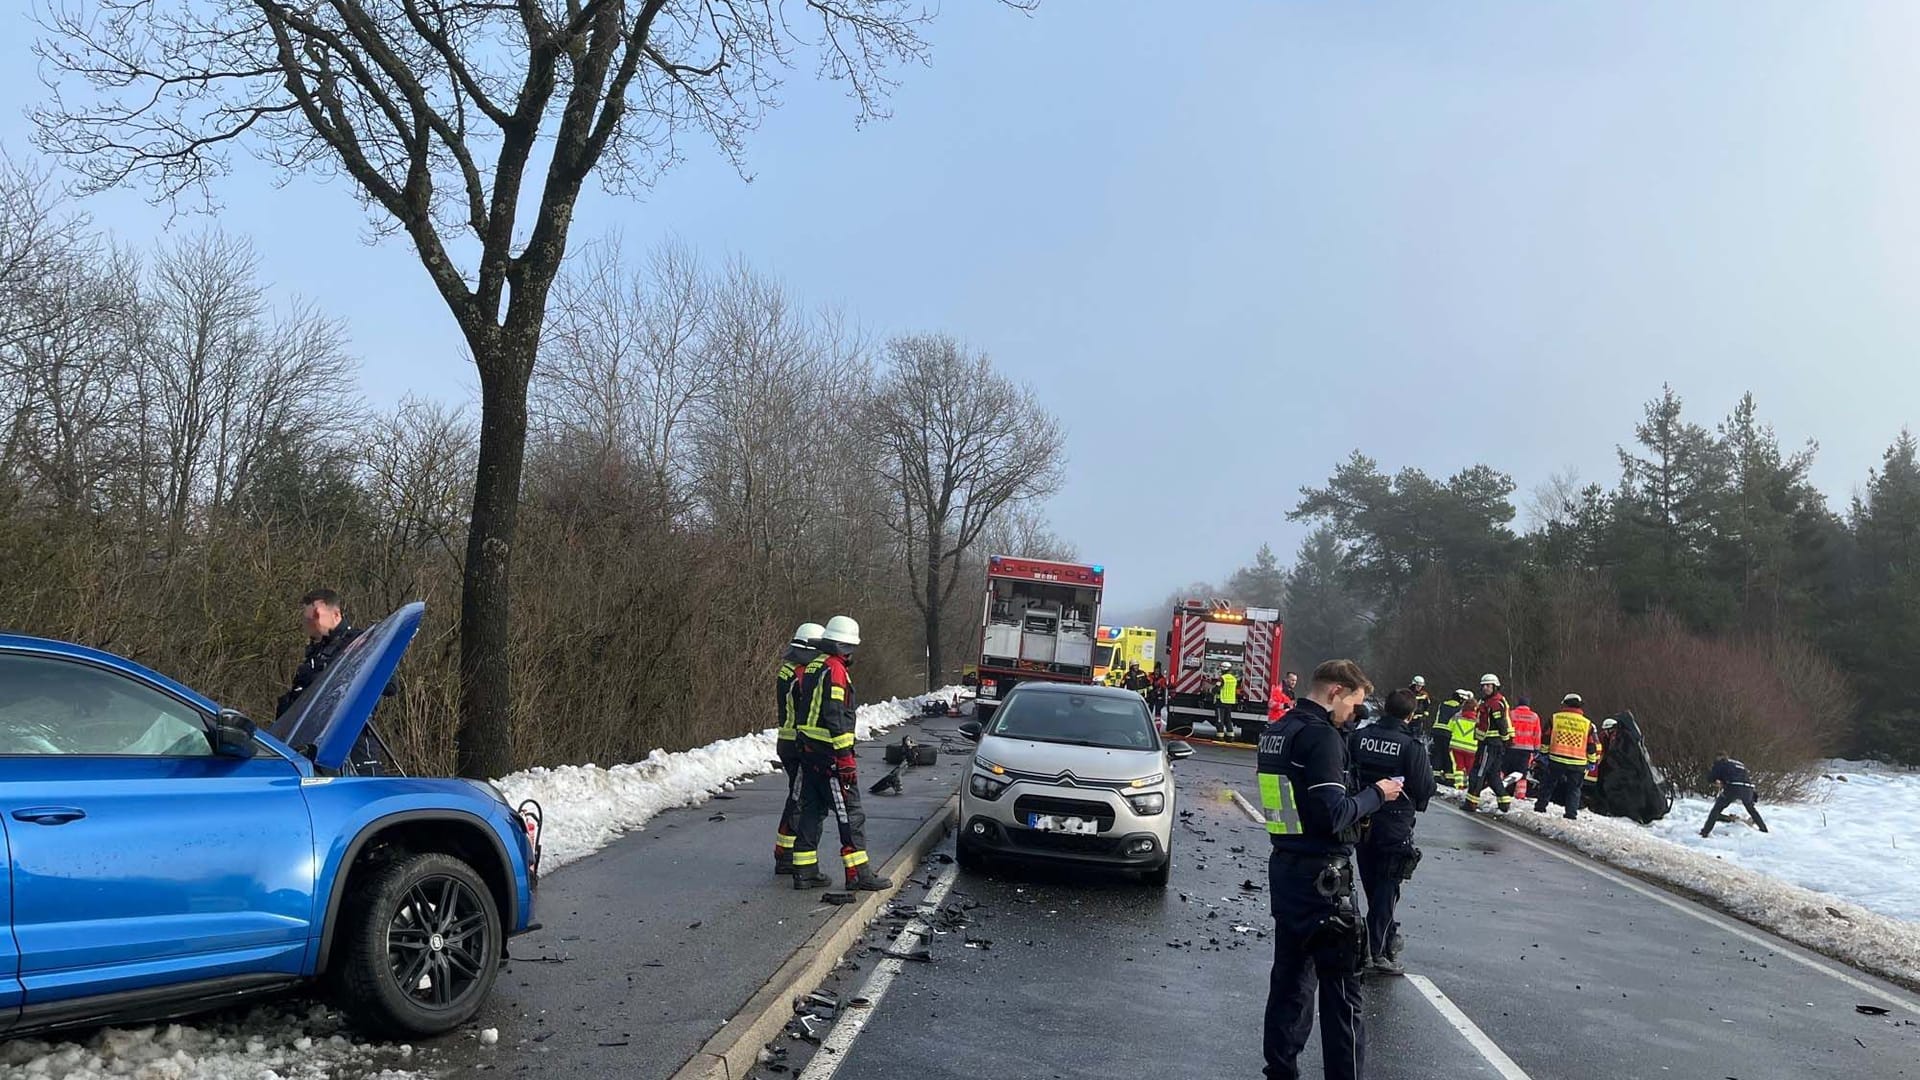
(1073, 774)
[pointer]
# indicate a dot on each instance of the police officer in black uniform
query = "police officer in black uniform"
(1390, 747)
(1312, 821)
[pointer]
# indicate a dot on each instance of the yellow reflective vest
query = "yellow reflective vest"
(1229, 689)
(1570, 740)
(1463, 732)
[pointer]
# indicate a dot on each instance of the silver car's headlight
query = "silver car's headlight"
(1149, 804)
(988, 779)
(986, 787)
(1147, 781)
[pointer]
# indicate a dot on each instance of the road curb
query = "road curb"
(735, 1049)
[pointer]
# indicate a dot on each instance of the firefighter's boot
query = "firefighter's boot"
(864, 879)
(809, 877)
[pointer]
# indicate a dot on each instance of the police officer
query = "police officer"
(829, 776)
(329, 632)
(1735, 786)
(1393, 748)
(1312, 821)
(800, 651)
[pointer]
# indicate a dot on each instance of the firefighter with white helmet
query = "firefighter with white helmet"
(1422, 717)
(1496, 734)
(1226, 696)
(800, 650)
(829, 776)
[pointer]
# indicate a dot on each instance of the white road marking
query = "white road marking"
(1695, 910)
(1496, 1057)
(833, 1049)
(1247, 808)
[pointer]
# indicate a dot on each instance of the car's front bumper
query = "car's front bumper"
(1126, 839)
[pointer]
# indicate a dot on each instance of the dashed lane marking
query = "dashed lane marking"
(1495, 1056)
(833, 1049)
(1777, 945)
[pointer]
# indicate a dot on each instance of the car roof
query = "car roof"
(69, 651)
(1073, 688)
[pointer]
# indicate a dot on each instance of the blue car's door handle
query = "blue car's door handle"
(49, 815)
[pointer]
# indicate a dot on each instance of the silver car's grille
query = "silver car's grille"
(1078, 808)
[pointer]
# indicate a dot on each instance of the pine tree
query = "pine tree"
(1885, 619)
(1323, 617)
(1263, 584)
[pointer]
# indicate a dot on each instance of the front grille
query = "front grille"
(1080, 808)
(1067, 842)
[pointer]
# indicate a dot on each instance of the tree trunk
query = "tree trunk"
(933, 611)
(485, 743)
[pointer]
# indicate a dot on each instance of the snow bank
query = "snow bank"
(277, 1042)
(1857, 838)
(588, 807)
(1820, 921)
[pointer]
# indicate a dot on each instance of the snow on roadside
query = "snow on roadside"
(1819, 921)
(588, 807)
(1857, 838)
(273, 1042)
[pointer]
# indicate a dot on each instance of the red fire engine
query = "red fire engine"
(1205, 635)
(1039, 622)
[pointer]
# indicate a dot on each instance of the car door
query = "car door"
(9, 953)
(140, 860)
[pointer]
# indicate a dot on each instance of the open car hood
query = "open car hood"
(328, 719)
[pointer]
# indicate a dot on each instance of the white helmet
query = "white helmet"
(808, 633)
(1608, 724)
(1226, 665)
(841, 631)
(1419, 680)
(1490, 677)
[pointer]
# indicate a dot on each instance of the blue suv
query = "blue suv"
(165, 856)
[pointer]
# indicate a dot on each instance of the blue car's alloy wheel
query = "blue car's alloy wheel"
(438, 948)
(423, 946)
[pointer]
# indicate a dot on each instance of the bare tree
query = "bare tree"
(959, 443)
(438, 111)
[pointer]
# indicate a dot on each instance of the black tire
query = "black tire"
(968, 858)
(1159, 876)
(440, 901)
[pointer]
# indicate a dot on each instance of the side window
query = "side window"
(52, 706)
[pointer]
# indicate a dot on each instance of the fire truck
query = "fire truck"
(1205, 635)
(1038, 622)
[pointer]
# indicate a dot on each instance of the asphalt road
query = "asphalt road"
(1093, 977)
(650, 945)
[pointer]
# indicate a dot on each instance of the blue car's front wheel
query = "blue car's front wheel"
(424, 947)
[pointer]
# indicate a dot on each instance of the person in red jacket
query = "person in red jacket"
(1526, 744)
(1496, 732)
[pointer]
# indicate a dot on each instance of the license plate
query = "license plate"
(1059, 824)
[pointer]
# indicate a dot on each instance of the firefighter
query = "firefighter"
(1735, 786)
(1157, 695)
(1571, 745)
(1136, 679)
(829, 776)
(1496, 733)
(1226, 695)
(802, 649)
(1463, 741)
(1319, 937)
(1390, 748)
(1440, 736)
(1422, 717)
(1526, 744)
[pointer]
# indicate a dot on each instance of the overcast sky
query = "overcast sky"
(1228, 248)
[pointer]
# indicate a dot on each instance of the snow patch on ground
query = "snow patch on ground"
(1857, 838)
(274, 1042)
(587, 807)
(1819, 920)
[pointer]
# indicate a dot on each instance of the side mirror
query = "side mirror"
(972, 730)
(1179, 751)
(232, 735)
